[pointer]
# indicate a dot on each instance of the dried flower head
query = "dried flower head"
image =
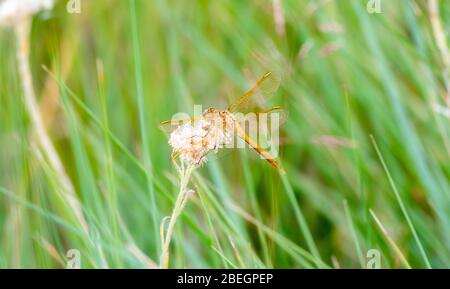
(192, 141)
(13, 12)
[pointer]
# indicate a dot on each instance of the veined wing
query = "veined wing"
(261, 130)
(278, 113)
(263, 153)
(172, 124)
(263, 89)
(263, 121)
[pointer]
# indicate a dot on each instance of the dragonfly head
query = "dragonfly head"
(210, 111)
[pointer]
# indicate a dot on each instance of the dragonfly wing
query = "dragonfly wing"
(172, 124)
(263, 122)
(262, 128)
(264, 88)
(260, 150)
(214, 156)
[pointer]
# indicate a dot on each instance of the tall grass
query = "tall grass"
(105, 78)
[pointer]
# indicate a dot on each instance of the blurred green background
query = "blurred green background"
(120, 67)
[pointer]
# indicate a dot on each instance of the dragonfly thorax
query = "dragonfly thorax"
(219, 125)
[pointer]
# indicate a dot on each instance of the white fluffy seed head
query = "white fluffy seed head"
(193, 141)
(13, 12)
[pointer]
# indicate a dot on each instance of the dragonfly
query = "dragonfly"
(250, 101)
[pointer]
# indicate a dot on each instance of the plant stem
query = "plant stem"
(441, 42)
(185, 174)
(23, 51)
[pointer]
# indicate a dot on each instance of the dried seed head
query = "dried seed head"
(13, 12)
(193, 141)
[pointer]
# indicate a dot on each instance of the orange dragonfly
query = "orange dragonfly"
(247, 102)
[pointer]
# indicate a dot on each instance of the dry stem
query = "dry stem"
(441, 43)
(23, 50)
(185, 174)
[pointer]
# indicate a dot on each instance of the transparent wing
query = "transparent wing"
(263, 128)
(268, 153)
(220, 154)
(172, 124)
(263, 122)
(264, 88)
